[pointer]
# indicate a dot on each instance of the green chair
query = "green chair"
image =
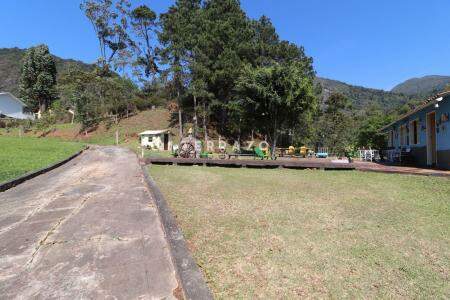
(259, 153)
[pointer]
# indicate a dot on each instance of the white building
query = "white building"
(156, 139)
(12, 107)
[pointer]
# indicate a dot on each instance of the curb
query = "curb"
(14, 182)
(190, 277)
(442, 175)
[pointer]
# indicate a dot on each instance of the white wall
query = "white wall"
(12, 108)
(155, 141)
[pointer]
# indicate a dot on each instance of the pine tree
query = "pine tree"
(38, 78)
(177, 37)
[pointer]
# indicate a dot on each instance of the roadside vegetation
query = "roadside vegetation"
(313, 234)
(22, 155)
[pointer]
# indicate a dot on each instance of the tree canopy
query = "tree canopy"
(38, 78)
(276, 96)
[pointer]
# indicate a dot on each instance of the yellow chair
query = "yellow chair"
(291, 150)
(303, 151)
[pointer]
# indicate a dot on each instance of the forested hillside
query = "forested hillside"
(11, 58)
(424, 86)
(362, 97)
(11, 63)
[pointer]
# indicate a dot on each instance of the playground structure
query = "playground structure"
(302, 152)
(191, 147)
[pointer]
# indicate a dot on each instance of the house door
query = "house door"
(166, 142)
(431, 139)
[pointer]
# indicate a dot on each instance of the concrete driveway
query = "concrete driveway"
(88, 229)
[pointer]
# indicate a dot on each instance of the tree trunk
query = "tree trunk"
(42, 107)
(180, 123)
(180, 119)
(274, 143)
(204, 124)
(275, 135)
(195, 116)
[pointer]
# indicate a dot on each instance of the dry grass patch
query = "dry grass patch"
(289, 233)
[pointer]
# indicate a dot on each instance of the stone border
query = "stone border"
(4, 186)
(189, 275)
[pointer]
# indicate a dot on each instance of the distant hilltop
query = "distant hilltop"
(423, 86)
(11, 63)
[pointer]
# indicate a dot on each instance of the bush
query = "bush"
(45, 122)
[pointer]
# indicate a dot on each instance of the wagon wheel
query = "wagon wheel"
(187, 150)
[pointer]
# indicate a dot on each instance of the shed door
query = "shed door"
(166, 141)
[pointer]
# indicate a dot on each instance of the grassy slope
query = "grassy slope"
(290, 233)
(21, 155)
(128, 128)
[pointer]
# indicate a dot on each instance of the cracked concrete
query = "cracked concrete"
(88, 229)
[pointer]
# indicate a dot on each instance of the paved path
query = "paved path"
(88, 229)
(375, 167)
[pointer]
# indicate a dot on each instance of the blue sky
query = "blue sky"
(370, 43)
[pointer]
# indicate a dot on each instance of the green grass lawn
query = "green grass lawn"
(290, 233)
(21, 155)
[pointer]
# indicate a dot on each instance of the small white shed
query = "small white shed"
(156, 139)
(12, 107)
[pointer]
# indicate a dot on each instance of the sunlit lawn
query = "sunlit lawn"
(21, 155)
(291, 233)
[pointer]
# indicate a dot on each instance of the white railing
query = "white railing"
(369, 154)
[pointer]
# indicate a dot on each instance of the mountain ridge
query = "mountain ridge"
(422, 86)
(362, 97)
(11, 64)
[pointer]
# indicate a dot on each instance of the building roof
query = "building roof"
(14, 97)
(430, 101)
(13, 113)
(154, 132)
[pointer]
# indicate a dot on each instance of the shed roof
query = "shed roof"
(154, 132)
(425, 104)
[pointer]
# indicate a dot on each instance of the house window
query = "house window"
(414, 132)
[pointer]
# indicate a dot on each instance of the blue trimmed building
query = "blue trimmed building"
(423, 134)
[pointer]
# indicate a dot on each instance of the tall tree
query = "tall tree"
(335, 125)
(276, 96)
(109, 20)
(38, 78)
(143, 23)
(224, 48)
(176, 36)
(266, 41)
